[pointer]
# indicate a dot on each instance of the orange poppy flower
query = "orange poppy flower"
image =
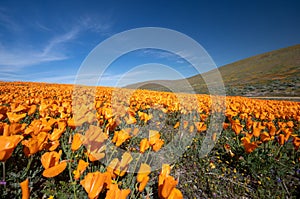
(115, 193)
(122, 166)
(77, 142)
(166, 169)
(120, 137)
(32, 109)
(281, 139)
(126, 159)
(225, 125)
(296, 143)
(144, 116)
(55, 170)
(176, 125)
(175, 194)
(130, 119)
(94, 134)
(158, 144)
(142, 176)
(201, 126)
(35, 144)
(7, 145)
(13, 128)
(249, 147)
(82, 165)
(257, 129)
(14, 117)
(236, 126)
(52, 146)
(144, 145)
(93, 183)
(265, 137)
(50, 161)
(112, 166)
(168, 185)
(57, 132)
(25, 189)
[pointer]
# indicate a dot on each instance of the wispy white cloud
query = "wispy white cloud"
(163, 55)
(60, 39)
(7, 22)
(102, 25)
(14, 57)
(20, 51)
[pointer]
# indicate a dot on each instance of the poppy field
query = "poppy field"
(122, 143)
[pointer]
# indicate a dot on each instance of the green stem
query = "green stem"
(71, 179)
(69, 157)
(28, 166)
(3, 175)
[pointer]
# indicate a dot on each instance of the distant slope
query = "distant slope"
(275, 73)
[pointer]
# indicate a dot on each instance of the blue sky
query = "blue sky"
(47, 41)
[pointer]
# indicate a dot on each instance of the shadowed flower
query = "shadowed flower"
(296, 143)
(249, 147)
(281, 139)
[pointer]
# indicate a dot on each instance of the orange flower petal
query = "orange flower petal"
(25, 189)
(55, 170)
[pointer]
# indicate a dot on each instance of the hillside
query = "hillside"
(275, 73)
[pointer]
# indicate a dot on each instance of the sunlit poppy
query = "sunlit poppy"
(50, 161)
(236, 126)
(35, 144)
(168, 185)
(201, 126)
(142, 176)
(120, 137)
(175, 194)
(93, 183)
(77, 142)
(13, 128)
(157, 145)
(82, 165)
(25, 189)
(14, 117)
(7, 145)
(57, 132)
(144, 145)
(115, 193)
(122, 166)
